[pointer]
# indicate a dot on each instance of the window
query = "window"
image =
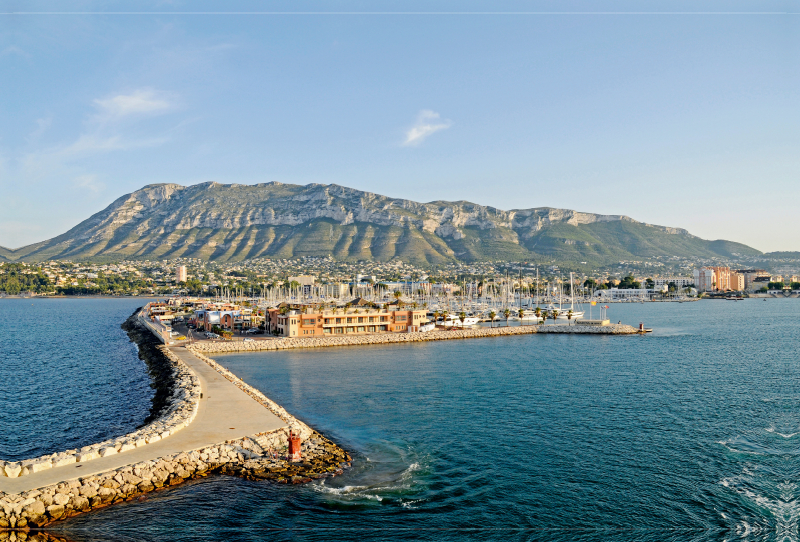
(339, 330)
(371, 329)
(381, 328)
(384, 319)
(328, 320)
(349, 330)
(349, 320)
(338, 320)
(361, 329)
(310, 322)
(371, 318)
(360, 319)
(327, 330)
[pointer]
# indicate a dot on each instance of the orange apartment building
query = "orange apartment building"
(353, 321)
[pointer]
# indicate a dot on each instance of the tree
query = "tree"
(629, 283)
(775, 286)
(544, 315)
(554, 315)
(569, 316)
(507, 314)
(462, 316)
(795, 286)
(650, 283)
(590, 283)
(492, 316)
(521, 313)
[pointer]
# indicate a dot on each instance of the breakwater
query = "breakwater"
(288, 343)
(175, 406)
(611, 329)
(41, 495)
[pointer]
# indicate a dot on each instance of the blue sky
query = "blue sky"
(638, 108)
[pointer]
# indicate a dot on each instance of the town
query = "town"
(324, 276)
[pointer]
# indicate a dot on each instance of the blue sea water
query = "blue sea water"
(689, 433)
(69, 376)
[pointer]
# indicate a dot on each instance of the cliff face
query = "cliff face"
(232, 222)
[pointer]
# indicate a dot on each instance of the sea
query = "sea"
(691, 432)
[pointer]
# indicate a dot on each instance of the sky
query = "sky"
(681, 114)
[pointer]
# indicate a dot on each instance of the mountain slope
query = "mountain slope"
(236, 222)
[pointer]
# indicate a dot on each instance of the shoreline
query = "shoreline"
(291, 343)
(258, 456)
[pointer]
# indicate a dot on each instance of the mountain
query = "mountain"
(234, 222)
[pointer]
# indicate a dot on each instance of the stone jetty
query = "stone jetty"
(289, 343)
(195, 439)
(611, 329)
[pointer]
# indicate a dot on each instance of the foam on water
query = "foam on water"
(691, 435)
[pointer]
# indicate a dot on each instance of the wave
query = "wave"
(784, 435)
(403, 481)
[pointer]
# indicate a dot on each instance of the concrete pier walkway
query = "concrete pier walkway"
(225, 413)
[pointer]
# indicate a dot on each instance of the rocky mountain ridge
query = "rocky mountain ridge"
(231, 222)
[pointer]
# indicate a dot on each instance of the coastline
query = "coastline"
(290, 343)
(258, 456)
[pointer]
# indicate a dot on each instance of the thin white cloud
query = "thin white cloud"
(42, 125)
(138, 102)
(13, 50)
(88, 182)
(428, 123)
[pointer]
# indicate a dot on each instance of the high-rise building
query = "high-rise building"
(705, 279)
(180, 273)
(750, 276)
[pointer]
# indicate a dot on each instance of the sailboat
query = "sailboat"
(570, 313)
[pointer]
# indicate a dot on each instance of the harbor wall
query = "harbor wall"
(288, 343)
(262, 456)
(179, 411)
(259, 457)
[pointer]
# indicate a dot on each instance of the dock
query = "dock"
(226, 413)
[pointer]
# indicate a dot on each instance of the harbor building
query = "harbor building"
(680, 282)
(352, 321)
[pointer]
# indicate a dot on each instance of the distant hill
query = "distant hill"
(235, 222)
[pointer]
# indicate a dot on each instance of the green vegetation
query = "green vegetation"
(290, 221)
(18, 278)
(775, 286)
(629, 283)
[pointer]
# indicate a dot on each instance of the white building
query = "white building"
(624, 294)
(680, 282)
(180, 273)
(705, 279)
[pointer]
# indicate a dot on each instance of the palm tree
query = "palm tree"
(462, 316)
(569, 316)
(492, 316)
(543, 314)
(554, 315)
(436, 315)
(520, 313)
(444, 315)
(507, 314)
(538, 313)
